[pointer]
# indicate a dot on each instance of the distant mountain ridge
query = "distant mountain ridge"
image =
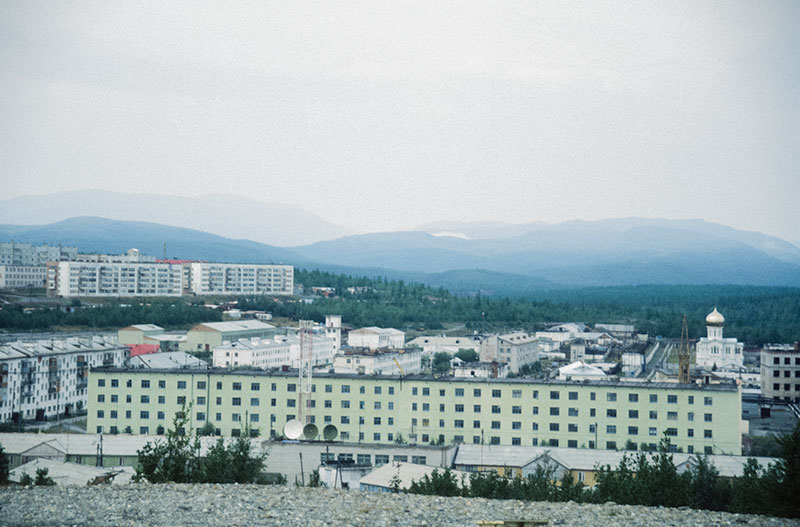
(573, 254)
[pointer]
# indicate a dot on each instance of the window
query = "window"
(115, 383)
(633, 414)
(441, 392)
(653, 414)
(535, 410)
(592, 412)
(690, 416)
(572, 427)
(535, 394)
(516, 441)
(200, 416)
(691, 399)
(516, 425)
(426, 391)
(496, 393)
(290, 403)
(144, 399)
(652, 431)
(495, 409)
(145, 383)
(554, 410)
(376, 405)
(554, 427)
(391, 405)
(414, 391)
(476, 408)
(113, 414)
(100, 414)
(345, 420)
(376, 436)
(376, 420)
(611, 445)
(494, 440)
(181, 400)
(291, 387)
(476, 424)
(633, 397)
(495, 425)
(672, 416)
(554, 395)
(653, 398)
(160, 415)
(114, 397)
(592, 396)
(611, 429)
(345, 404)
(181, 385)
(707, 401)
(377, 391)
(633, 430)
(236, 401)
(672, 432)
(362, 389)
(254, 401)
(144, 414)
(328, 388)
(201, 385)
(381, 459)
(441, 407)
(672, 399)
(236, 418)
(413, 407)
(459, 408)
(101, 398)
(611, 397)
(459, 392)
(476, 392)
(572, 412)
(128, 398)
(391, 390)
(573, 396)
(345, 388)
(690, 432)
(458, 423)
(707, 434)
(255, 387)
(101, 382)
(516, 394)
(129, 383)
(611, 412)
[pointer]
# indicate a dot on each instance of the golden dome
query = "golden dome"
(715, 318)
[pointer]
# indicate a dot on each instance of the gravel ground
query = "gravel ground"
(247, 505)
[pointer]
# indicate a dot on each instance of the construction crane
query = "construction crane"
(683, 355)
(306, 358)
(398, 366)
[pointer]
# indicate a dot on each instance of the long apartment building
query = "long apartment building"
(45, 378)
(15, 276)
(113, 279)
(13, 253)
(424, 410)
(780, 372)
(223, 279)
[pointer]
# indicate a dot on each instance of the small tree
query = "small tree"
(4, 466)
(441, 362)
(468, 355)
(175, 460)
(25, 480)
(42, 479)
(394, 483)
(313, 479)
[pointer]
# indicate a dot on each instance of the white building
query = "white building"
(432, 344)
(580, 371)
(632, 363)
(480, 370)
(12, 253)
(130, 256)
(375, 338)
(780, 372)
(333, 329)
(378, 362)
(45, 378)
(172, 360)
(235, 279)
(715, 351)
(71, 279)
(283, 350)
(517, 349)
(12, 276)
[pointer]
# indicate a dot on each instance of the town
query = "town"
(365, 405)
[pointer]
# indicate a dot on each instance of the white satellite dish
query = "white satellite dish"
(293, 429)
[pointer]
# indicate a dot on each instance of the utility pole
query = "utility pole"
(683, 355)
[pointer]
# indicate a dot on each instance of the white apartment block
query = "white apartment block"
(12, 253)
(45, 378)
(516, 349)
(222, 279)
(780, 372)
(12, 276)
(375, 338)
(283, 350)
(71, 279)
(379, 362)
(131, 256)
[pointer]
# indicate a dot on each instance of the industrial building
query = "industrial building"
(421, 409)
(210, 335)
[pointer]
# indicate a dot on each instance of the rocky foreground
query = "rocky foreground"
(247, 505)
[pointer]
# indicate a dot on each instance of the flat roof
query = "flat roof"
(722, 387)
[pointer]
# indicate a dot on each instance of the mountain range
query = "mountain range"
(493, 258)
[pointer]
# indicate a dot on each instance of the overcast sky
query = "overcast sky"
(384, 115)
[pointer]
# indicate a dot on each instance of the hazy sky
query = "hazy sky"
(384, 115)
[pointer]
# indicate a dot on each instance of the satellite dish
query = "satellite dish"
(310, 431)
(330, 432)
(293, 429)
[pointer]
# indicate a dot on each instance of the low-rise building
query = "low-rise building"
(398, 476)
(780, 372)
(517, 349)
(209, 335)
(580, 371)
(277, 352)
(376, 338)
(432, 344)
(480, 370)
(421, 409)
(136, 333)
(45, 378)
(386, 361)
(167, 360)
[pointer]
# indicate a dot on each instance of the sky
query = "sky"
(385, 115)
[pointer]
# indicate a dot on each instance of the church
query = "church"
(716, 352)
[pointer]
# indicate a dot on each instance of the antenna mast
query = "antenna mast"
(683, 355)
(306, 354)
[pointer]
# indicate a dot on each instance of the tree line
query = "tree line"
(645, 480)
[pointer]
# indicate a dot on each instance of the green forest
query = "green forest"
(755, 315)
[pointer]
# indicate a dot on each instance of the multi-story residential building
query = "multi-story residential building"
(387, 361)
(376, 338)
(210, 335)
(12, 253)
(45, 378)
(516, 349)
(14, 276)
(283, 350)
(432, 344)
(780, 372)
(422, 409)
(130, 256)
(716, 352)
(236, 279)
(73, 279)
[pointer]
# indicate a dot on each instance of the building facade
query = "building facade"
(379, 362)
(423, 410)
(516, 349)
(716, 352)
(236, 279)
(15, 276)
(277, 352)
(780, 372)
(113, 279)
(210, 335)
(375, 338)
(46, 378)
(12, 253)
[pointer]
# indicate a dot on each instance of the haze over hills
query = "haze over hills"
(573, 254)
(225, 215)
